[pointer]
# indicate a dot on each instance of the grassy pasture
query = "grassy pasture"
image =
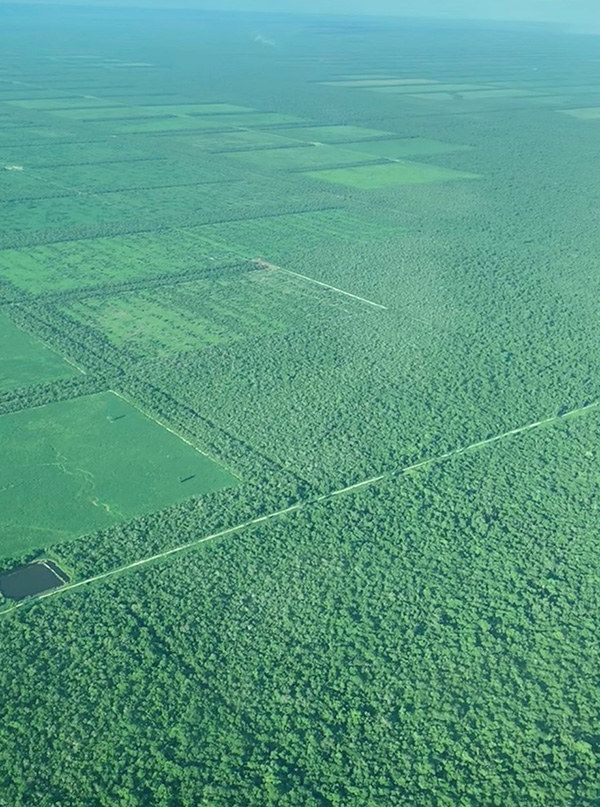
(332, 134)
(498, 93)
(406, 147)
(584, 113)
(390, 175)
(304, 157)
(114, 176)
(61, 104)
(174, 124)
(378, 82)
(200, 109)
(106, 114)
(100, 261)
(58, 154)
(241, 140)
(208, 312)
(25, 361)
(19, 183)
(432, 88)
(275, 237)
(78, 466)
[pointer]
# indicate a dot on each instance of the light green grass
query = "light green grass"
(116, 176)
(406, 147)
(240, 140)
(584, 113)
(433, 88)
(21, 184)
(332, 134)
(199, 109)
(373, 177)
(207, 312)
(78, 466)
(111, 113)
(25, 361)
(276, 237)
(174, 125)
(378, 82)
(304, 157)
(99, 261)
(56, 104)
(498, 93)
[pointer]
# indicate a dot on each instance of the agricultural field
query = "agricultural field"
(79, 466)
(24, 361)
(299, 392)
(201, 313)
(65, 265)
(389, 175)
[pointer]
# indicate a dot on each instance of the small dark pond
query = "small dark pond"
(34, 578)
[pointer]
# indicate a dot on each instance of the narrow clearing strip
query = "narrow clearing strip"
(301, 505)
(274, 267)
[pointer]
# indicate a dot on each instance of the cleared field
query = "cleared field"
(332, 134)
(498, 93)
(378, 82)
(111, 113)
(59, 154)
(242, 140)
(584, 113)
(78, 466)
(30, 215)
(25, 361)
(200, 109)
(59, 104)
(174, 124)
(277, 236)
(19, 183)
(238, 120)
(373, 177)
(114, 176)
(304, 157)
(433, 88)
(208, 312)
(406, 147)
(100, 261)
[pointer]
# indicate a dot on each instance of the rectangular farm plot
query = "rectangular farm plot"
(378, 82)
(107, 114)
(200, 109)
(432, 88)
(82, 465)
(118, 175)
(274, 237)
(332, 134)
(103, 261)
(24, 361)
(374, 177)
(405, 147)
(584, 113)
(302, 158)
(207, 122)
(199, 314)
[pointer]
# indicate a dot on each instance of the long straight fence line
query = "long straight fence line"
(303, 504)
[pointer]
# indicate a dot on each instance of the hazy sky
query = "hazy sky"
(566, 11)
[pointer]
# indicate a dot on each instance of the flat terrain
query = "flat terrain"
(78, 466)
(326, 484)
(24, 360)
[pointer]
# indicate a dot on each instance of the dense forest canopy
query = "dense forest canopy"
(299, 392)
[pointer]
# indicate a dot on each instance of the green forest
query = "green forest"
(299, 390)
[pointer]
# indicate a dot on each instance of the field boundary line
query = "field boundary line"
(132, 402)
(304, 504)
(273, 267)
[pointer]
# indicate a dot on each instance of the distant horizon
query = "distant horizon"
(566, 13)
